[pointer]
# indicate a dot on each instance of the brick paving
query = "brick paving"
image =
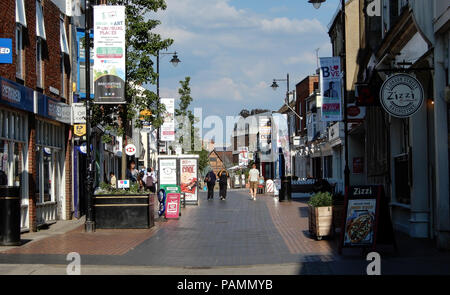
(102, 242)
(218, 234)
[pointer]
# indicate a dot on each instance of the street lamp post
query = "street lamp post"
(317, 4)
(90, 223)
(174, 61)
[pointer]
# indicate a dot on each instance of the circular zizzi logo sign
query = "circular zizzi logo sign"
(401, 95)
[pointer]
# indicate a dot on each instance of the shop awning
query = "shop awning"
(40, 27)
(63, 38)
(20, 13)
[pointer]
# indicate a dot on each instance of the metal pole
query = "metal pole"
(157, 102)
(344, 69)
(90, 223)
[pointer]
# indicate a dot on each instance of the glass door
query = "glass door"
(48, 175)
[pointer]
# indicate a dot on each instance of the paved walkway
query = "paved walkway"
(217, 237)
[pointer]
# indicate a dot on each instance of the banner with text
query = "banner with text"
(168, 127)
(109, 54)
(330, 88)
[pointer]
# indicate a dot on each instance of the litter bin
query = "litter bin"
(9, 216)
(285, 191)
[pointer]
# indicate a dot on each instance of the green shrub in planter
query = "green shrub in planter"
(321, 199)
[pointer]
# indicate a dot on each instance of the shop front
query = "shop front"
(50, 159)
(16, 101)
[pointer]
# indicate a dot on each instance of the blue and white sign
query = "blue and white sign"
(83, 148)
(6, 56)
(16, 95)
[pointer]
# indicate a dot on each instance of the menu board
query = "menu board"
(366, 207)
(173, 205)
(359, 222)
(189, 179)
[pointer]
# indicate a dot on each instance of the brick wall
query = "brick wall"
(68, 174)
(52, 47)
(303, 90)
(32, 172)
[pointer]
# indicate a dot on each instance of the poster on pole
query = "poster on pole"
(109, 54)
(330, 88)
(189, 179)
(168, 127)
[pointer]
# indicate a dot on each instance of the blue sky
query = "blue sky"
(232, 49)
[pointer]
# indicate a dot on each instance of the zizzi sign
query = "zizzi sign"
(401, 95)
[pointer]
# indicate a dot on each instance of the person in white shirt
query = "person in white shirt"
(253, 177)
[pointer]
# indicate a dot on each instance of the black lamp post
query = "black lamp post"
(90, 222)
(174, 61)
(317, 4)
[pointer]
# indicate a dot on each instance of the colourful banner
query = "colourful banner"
(330, 88)
(109, 54)
(168, 127)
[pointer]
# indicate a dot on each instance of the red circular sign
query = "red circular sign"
(353, 111)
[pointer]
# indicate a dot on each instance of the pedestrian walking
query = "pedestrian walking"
(132, 172)
(223, 183)
(210, 180)
(112, 180)
(253, 177)
(150, 180)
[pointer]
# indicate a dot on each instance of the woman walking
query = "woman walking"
(223, 183)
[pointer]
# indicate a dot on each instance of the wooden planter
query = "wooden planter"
(320, 221)
(124, 211)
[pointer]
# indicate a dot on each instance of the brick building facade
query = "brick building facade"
(37, 115)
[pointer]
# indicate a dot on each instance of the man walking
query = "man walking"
(223, 183)
(210, 180)
(253, 177)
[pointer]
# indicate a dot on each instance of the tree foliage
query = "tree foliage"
(142, 46)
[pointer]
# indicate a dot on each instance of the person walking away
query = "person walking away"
(210, 180)
(149, 181)
(253, 177)
(223, 182)
(140, 181)
(132, 172)
(112, 180)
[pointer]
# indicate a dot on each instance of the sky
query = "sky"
(233, 49)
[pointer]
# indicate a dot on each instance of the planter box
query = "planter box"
(124, 211)
(320, 221)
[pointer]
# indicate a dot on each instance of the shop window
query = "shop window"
(328, 167)
(4, 162)
(39, 63)
(47, 161)
(18, 164)
(38, 170)
(19, 51)
(402, 173)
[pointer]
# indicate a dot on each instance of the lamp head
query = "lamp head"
(316, 3)
(175, 61)
(274, 85)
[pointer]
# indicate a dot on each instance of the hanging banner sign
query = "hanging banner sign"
(6, 53)
(168, 127)
(330, 88)
(109, 54)
(401, 95)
